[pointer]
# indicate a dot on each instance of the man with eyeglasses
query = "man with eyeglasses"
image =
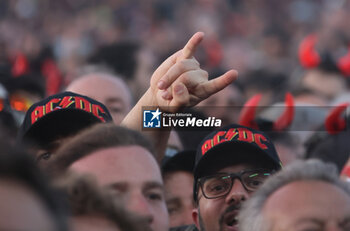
(230, 165)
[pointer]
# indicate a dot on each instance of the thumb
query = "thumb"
(180, 96)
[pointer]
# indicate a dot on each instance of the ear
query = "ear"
(195, 217)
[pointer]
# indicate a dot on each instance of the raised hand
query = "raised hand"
(179, 81)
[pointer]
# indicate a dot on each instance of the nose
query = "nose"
(139, 205)
(237, 193)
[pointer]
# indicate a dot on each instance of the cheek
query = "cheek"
(117, 118)
(175, 216)
(210, 209)
(161, 210)
(163, 217)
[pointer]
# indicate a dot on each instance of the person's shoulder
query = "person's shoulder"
(185, 228)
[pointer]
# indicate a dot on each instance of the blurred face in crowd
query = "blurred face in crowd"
(224, 105)
(327, 85)
(174, 144)
(133, 175)
(286, 154)
(219, 211)
(92, 223)
(109, 90)
(21, 209)
(308, 205)
(179, 197)
(146, 64)
(44, 155)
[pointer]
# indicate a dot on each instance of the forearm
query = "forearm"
(134, 120)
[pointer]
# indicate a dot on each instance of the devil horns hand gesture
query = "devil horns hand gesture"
(179, 81)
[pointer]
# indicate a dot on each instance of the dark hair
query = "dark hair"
(182, 161)
(17, 165)
(87, 199)
(263, 80)
(121, 57)
(190, 139)
(8, 126)
(97, 137)
(33, 83)
(286, 138)
(333, 148)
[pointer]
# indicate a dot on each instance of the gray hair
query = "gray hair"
(251, 217)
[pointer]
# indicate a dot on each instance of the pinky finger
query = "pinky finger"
(219, 83)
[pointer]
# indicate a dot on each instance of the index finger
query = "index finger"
(191, 45)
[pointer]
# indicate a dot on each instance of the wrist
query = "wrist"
(148, 99)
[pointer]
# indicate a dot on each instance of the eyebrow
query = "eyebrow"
(173, 200)
(152, 185)
(54, 144)
(310, 219)
(114, 100)
(118, 185)
(147, 186)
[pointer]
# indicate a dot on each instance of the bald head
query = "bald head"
(107, 89)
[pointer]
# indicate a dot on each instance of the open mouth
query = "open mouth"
(230, 220)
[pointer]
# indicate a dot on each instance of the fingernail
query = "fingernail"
(179, 89)
(164, 94)
(161, 84)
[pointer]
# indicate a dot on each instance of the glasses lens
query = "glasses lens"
(20, 103)
(254, 179)
(216, 186)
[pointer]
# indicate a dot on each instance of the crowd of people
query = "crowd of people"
(76, 76)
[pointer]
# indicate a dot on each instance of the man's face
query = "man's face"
(308, 205)
(132, 174)
(179, 197)
(45, 155)
(327, 85)
(220, 214)
(21, 209)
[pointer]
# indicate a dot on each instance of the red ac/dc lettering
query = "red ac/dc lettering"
(240, 134)
(67, 102)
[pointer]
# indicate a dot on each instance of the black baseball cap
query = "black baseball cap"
(233, 144)
(60, 115)
(181, 161)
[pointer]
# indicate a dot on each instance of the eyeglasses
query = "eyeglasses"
(219, 185)
(20, 103)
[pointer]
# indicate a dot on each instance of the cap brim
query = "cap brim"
(230, 153)
(60, 123)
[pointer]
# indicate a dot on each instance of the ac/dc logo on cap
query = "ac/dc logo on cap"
(66, 102)
(239, 134)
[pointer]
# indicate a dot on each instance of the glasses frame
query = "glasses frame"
(233, 176)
